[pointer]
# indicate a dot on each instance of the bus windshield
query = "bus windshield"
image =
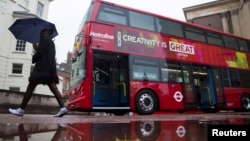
(86, 17)
(78, 62)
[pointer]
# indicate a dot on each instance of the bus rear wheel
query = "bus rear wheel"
(245, 101)
(148, 130)
(145, 102)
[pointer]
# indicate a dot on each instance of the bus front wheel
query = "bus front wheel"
(145, 102)
(245, 101)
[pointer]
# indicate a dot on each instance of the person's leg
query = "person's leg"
(20, 111)
(57, 94)
(63, 110)
(28, 94)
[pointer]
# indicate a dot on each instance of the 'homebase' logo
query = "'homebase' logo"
(101, 35)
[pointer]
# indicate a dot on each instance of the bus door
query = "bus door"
(110, 83)
(204, 86)
(188, 86)
(219, 89)
(101, 84)
(121, 81)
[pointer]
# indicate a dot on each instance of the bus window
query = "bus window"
(219, 89)
(101, 71)
(145, 69)
(230, 77)
(86, 17)
(200, 75)
(215, 39)
(140, 20)
(230, 42)
(78, 66)
(217, 77)
(225, 77)
(243, 45)
(169, 27)
(187, 70)
(171, 72)
(234, 78)
(101, 76)
(112, 14)
(244, 78)
(194, 34)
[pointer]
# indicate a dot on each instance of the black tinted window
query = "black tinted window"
(112, 15)
(215, 39)
(230, 42)
(169, 27)
(195, 34)
(140, 20)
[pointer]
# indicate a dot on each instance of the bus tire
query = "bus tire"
(245, 102)
(145, 102)
(147, 130)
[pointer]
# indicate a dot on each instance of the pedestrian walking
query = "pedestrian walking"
(44, 72)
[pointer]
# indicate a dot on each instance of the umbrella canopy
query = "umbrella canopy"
(29, 29)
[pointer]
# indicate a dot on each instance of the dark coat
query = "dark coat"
(44, 71)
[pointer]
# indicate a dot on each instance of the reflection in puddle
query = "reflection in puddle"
(183, 130)
(30, 132)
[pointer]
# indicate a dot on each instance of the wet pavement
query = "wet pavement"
(159, 127)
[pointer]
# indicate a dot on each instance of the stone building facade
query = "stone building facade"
(64, 71)
(15, 55)
(231, 16)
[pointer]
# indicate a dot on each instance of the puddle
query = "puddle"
(145, 130)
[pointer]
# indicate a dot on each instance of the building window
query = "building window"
(24, 3)
(20, 45)
(39, 9)
(66, 86)
(17, 68)
(14, 88)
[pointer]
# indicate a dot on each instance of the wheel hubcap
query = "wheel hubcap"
(246, 102)
(146, 102)
(147, 128)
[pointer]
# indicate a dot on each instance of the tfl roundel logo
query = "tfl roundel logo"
(178, 96)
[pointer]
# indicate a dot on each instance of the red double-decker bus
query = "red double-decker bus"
(126, 59)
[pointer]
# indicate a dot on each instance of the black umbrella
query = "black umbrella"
(29, 29)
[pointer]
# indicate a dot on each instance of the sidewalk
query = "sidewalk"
(32, 118)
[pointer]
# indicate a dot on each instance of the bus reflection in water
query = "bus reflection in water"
(182, 130)
(146, 130)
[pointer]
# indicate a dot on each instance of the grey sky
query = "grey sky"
(68, 15)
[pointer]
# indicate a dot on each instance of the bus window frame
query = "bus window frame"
(155, 65)
(173, 70)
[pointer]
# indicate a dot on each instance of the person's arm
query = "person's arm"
(40, 50)
(35, 46)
